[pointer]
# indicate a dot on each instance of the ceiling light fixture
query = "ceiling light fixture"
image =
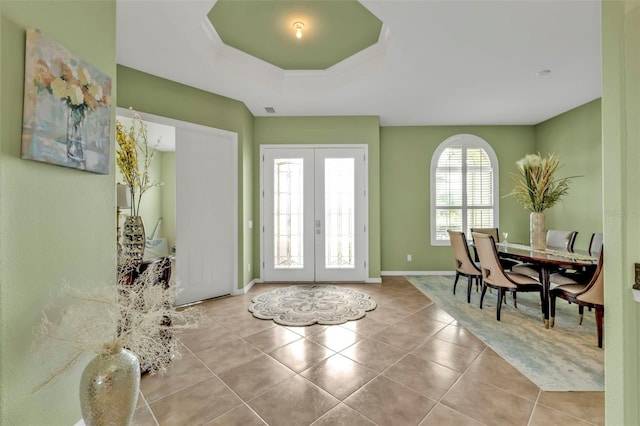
(299, 27)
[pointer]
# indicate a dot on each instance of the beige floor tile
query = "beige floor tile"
(343, 415)
(234, 352)
(421, 328)
(373, 354)
(388, 314)
(272, 338)
(247, 325)
(544, 416)
(205, 337)
(442, 415)
(339, 375)
(181, 374)
(386, 402)
(336, 338)
(427, 377)
(498, 372)
(294, 402)
(241, 415)
(256, 376)
(301, 354)
(143, 417)
(448, 354)
(460, 336)
(399, 338)
(488, 404)
(197, 404)
(587, 406)
(308, 330)
(366, 326)
(434, 312)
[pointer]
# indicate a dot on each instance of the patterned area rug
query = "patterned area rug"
(301, 305)
(563, 358)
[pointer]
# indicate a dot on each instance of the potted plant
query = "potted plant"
(134, 156)
(125, 325)
(537, 189)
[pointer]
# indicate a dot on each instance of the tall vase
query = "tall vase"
(133, 238)
(537, 231)
(75, 144)
(109, 389)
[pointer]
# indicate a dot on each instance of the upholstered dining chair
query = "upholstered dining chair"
(464, 264)
(556, 239)
(494, 276)
(495, 233)
(577, 276)
(589, 294)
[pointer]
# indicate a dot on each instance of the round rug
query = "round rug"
(301, 305)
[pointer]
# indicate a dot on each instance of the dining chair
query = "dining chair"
(589, 294)
(494, 276)
(556, 240)
(495, 233)
(584, 275)
(464, 264)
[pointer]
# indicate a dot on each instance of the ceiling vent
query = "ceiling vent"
(270, 110)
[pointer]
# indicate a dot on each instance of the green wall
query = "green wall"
(154, 95)
(325, 130)
(576, 136)
(621, 174)
(405, 159)
(57, 224)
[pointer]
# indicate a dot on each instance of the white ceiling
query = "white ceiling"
(446, 62)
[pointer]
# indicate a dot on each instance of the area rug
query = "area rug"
(563, 358)
(302, 305)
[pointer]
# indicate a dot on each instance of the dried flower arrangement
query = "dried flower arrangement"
(133, 156)
(137, 315)
(536, 188)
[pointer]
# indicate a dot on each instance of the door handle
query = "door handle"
(317, 223)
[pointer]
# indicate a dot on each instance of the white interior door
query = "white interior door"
(206, 213)
(314, 214)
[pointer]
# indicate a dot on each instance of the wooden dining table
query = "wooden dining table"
(548, 260)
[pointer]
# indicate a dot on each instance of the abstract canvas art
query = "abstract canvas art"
(67, 108)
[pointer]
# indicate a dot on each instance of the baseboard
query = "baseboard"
(246, 288)
(400, 273)
(373, 280)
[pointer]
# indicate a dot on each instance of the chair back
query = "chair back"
(594, 293)
(595, 245)
(561, 239)
(464, 264)
(492, 271)
(489, 231)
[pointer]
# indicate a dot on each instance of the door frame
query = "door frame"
(365, 218)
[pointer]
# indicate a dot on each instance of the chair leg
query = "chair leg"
(581, 313)
(599, 323)
(499, 307)
(469, 286)
(552, 316)
(515, 300)
(455, 283)
(484, 290)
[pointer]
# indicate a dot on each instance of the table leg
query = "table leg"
(546, 285)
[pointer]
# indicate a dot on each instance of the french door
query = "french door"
(314, 213)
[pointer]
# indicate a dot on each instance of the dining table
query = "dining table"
(548, 260)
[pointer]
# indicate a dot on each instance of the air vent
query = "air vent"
(270, 110)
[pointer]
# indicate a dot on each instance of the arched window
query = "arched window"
(464, 187)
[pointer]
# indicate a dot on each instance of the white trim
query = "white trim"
(464, 140)
(373, 280)
(245, 289)
(401, 273)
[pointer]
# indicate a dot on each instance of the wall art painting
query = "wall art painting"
(67, 108)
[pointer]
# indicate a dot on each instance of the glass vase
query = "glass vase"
(109, 389)
(537, 231)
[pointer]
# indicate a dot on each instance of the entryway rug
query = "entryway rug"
(302, 305)
(563, 358)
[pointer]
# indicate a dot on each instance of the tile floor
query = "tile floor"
(405, 363)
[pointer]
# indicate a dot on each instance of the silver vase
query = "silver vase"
(133, 238)
(538, 231)
(109, 389)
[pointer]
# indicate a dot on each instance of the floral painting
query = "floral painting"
(67, 108)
